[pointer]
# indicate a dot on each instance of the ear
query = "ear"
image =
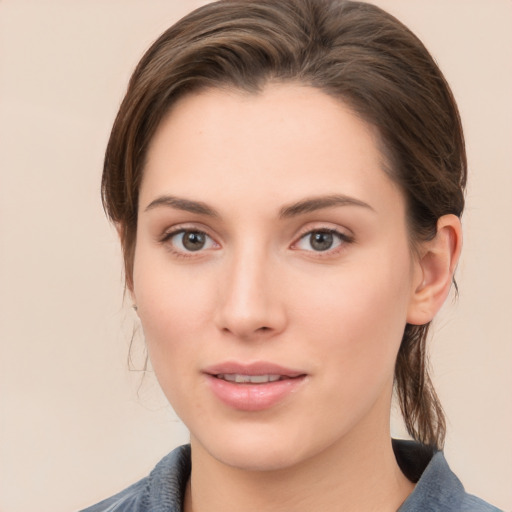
(435, 268)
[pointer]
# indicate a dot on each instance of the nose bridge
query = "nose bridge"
(249, 303)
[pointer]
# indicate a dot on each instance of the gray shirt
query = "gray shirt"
(437, 488)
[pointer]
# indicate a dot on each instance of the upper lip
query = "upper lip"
(255, 368)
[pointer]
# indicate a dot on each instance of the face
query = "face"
(273, 274)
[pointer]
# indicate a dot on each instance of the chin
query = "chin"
(258, 449)
(258, 458)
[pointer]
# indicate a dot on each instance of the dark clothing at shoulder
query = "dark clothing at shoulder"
(437, 488)
(162, 491)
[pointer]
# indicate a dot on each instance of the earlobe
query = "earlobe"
(436, 266)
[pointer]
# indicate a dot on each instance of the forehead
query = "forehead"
(285, 141)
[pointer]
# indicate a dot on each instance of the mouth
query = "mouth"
(259, 372)
(253, 387)
(239, 378)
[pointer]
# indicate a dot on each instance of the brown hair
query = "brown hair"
(353, 51)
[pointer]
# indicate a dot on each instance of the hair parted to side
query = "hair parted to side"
(353, 51)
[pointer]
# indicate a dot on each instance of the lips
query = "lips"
(253, 387)
(254, 369)
(249, 379)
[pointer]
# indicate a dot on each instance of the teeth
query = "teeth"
(252, 379)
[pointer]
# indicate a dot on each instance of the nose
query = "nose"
(250, 304)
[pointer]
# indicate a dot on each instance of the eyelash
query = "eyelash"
(169, 235)
(342, 240)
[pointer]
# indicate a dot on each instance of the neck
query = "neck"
(349, 476)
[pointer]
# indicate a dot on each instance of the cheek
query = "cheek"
(171, 314)
(357, 317)
(173, 304)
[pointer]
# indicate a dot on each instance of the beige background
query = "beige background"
(76, 425)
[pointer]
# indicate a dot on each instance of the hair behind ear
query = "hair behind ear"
(421, 409)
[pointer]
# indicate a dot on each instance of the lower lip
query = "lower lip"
(253, 397)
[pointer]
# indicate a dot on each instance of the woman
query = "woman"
(287, 182)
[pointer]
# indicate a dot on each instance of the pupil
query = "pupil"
(321, 241)
(193, 241)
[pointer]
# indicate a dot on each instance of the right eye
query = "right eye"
(189, 240)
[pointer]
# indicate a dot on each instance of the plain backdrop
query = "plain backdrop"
(76, 423)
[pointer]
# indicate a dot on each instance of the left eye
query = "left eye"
(321, 240)
(191, 241)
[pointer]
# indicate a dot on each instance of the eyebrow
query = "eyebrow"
(312, 204)
(307, 205)
(183, 204)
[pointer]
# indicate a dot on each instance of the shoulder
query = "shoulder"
(127, 500)
(161, 491)
(471, 503)
(437, 487)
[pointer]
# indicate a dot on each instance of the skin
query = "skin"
(258, 290)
